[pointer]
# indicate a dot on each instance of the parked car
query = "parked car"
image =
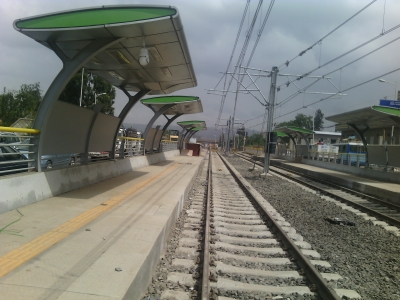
(48, 161)
(9, 138)
(12, 161)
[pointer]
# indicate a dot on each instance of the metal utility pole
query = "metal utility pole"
(272, 90)
(228, 145)
(80, 99)
(244, 139)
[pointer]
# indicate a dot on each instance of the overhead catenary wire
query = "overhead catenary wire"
(325, 36)
(245, 45)
(350, 51)
(254, 48)
(230, 60)
(284, 101)
(244, 49)
(341, 91)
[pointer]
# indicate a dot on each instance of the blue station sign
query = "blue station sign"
(390, 103)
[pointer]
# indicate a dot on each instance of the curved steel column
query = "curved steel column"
(188, 130)
(190, 136)
(153, 119)
(132, 100)
(360, 134)
(70, 67)
(169, 123)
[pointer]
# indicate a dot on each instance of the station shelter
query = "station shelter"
(189, 129)
(378, 128)
(136, 48)
(173, 106)
(299, 143)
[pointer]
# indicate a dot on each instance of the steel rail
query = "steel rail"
(345, 189)
(319, 284)
(205, 283)
(381, 216)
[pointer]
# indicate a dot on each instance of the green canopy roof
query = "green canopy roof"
(182, 104)
(293, 130)
(387, 110)
(194, 124)
(68, 33)
(281, 134)
(199, 128)
(372, 117)
(95, 17)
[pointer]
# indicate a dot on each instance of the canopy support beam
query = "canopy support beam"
(184, 135)
(190, 136)
(169, 123)
(70, 67)
(161, 111)
(132, 100)
(360, 134)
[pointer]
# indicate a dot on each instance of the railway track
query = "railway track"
(380, 209)
(235, 245)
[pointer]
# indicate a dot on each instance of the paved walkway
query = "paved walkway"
(99, 242)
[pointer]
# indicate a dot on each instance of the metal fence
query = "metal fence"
(16, 153)
(14, 150)
(380, 157)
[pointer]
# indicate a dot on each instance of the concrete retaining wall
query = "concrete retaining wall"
(373, 190)
(23, 189)
(139, 285)
(389, 177)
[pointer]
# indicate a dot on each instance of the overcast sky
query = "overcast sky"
(211, 27)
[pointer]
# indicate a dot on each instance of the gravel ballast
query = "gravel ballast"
(366, 256)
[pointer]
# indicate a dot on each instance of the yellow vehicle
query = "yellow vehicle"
(173, 138)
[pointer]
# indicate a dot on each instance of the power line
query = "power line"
(345, 90)
(284, 101)
(230, 61)
(320, 40)
(251, 56)
(241, 56)
(346, 65)
(352, 50)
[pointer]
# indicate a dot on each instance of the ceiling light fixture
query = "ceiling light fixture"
(144, 55)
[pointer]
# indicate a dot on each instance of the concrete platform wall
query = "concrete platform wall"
(23, 189)
(140, 283)
(372, 190)
(389, 177)
(362, 172)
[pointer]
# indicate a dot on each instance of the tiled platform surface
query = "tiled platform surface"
(108, 236)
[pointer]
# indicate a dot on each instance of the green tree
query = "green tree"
(8, 108)
(19, 104)
(318, 120)
(29, 97)
(301, 120)
(257, 139)
(92, 85)
(306, 122)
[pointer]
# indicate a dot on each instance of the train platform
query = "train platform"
(99, 242)
(380, 189)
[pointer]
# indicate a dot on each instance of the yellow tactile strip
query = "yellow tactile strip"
(18, 256)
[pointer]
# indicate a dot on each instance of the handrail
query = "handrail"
(20, 130)
(129, 138)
